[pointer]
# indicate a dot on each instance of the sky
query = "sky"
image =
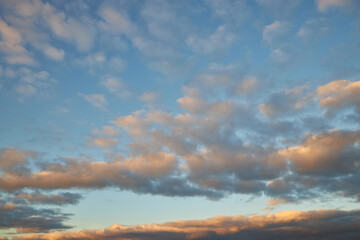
(210, 119)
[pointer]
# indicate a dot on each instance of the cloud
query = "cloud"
(325, 5)
(332, 153)
(27, 219)
(214, 147)
(247, 85)
(49, 199)
(107, 131)
(219, 40)
(54, 53)
(12, 157)
(11, 45)
(149, 97)
(40, 24)
(279, 8)
(232, 13)
(98, 61)
(285, 101)
(339, 94)
(68, 28)
(314, 28)
(116, 86)
(97, 100)
(33, 83)
(102, 142)
(160, 39)
(273, 32)
(317, 224)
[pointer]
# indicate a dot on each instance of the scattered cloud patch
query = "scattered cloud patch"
(97, 100)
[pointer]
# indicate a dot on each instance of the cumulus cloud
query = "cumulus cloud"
(214, 147)
(247, 85)
(40, 23)
(108, 131)
(332, 153)
(11, 44)
(33, 83)
(274, 31)
(339, 94)
(285, 101)
(319, 224)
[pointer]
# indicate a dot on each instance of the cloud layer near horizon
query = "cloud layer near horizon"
(319, 224)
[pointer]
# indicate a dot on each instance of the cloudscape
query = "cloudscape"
(211, 119)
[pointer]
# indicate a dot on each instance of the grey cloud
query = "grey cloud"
(50, 199)
(28, 219)
(284, 102)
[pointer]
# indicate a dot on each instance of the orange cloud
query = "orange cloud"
(339, 93)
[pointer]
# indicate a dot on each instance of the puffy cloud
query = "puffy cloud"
(33, 83)
(11, 45)
(54, 53)
(107, 131)
(97, 100)
(339, 94)
(274, 31)
(115, 21)
(248, 85)
(285, 101)
(11, 158)
(332, 153)
(39, 23)
(68, 28)
(317, 224)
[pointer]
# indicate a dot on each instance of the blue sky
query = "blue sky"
(143, 112)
